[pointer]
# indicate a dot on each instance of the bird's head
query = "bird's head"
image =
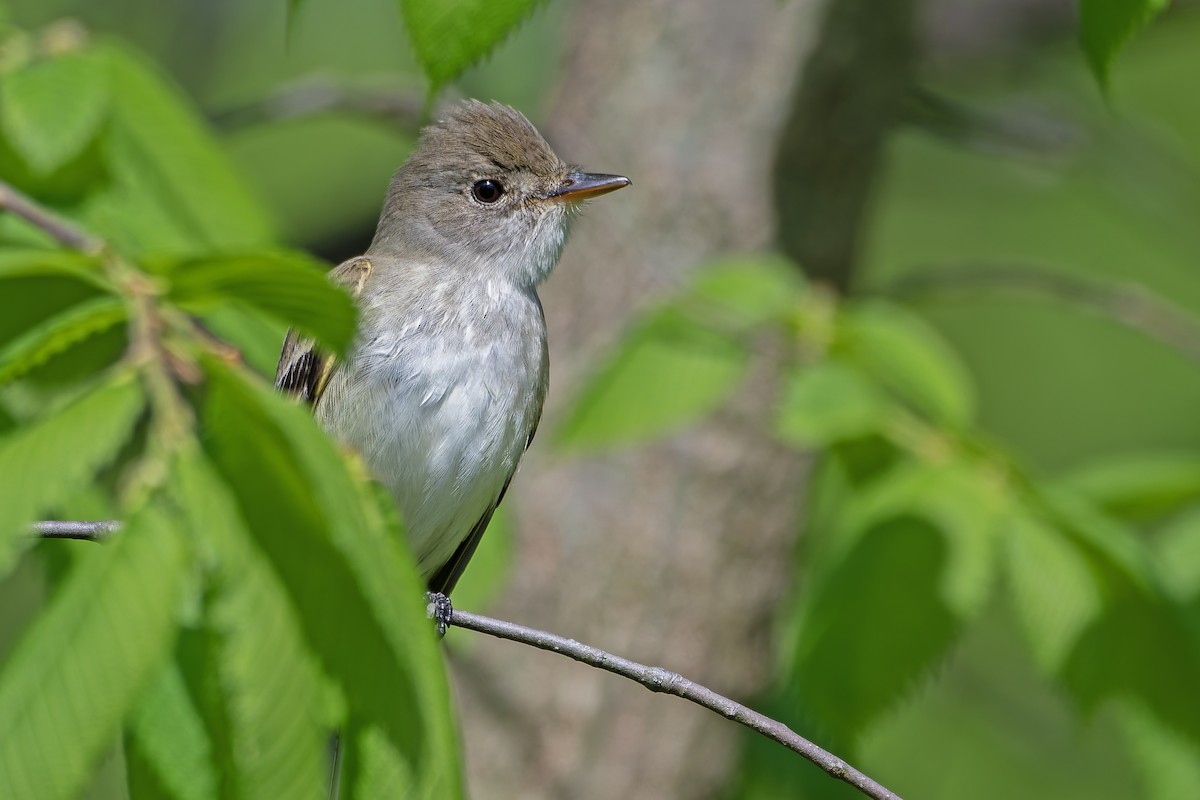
(483, 191)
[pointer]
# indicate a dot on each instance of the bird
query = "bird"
(442, 389)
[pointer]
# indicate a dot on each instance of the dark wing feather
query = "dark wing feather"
(304, 369)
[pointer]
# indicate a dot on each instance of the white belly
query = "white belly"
(441, 416)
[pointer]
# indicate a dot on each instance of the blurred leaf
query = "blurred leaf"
(1054, 590)
(175, 189)
(1140, 487)
(167, 737)
(1142, 649)
(38, 284)
(875, 628)
(259, 338)
(826, 403)
(451, 35)
(71, 680)
(913, 561)
(289, 287)
(375, 771)
(58, 333)
(739, 293)
(908, 356)
(1178, 550)
(51, 458)
(359, 599)
(1106, 26)
(51, 109)
(1169, 761)
(667, 372)
(268, 684)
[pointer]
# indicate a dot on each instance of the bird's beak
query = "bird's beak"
(585, 185)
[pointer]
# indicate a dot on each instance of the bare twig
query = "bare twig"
(1129, 304)
(75, 529)
(657, 679)
(62, 231)
(404, 111)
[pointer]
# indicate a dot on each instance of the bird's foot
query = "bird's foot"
(439, 610)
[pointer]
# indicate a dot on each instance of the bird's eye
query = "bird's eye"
(487, 190)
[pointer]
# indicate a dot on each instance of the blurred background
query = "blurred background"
(954, 155)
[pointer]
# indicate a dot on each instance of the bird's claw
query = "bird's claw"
(439, 610)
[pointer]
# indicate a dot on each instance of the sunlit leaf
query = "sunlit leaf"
(176, 190)
(290, 287)
(50, 109)
(1055, 593)
(167, 738)
(739, 293)
(71, 680)
(357, 594)
(666, 373)
(258, 338)
(1177, 548)
(1139, 487)
(266, 678)
(451, 35)
(1168, 760)
(50, 459)
(828, 402)
(909, 357)
(1106, 26)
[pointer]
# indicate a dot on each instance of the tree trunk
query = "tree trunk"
(673, 553)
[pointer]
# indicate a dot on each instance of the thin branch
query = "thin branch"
(1128, 304)
(657, 679)
(404, 111)
(75, 529)
(59, 229)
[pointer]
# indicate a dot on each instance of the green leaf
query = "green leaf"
(359, 599)
(875, 628)
(289, 287)
(1054, 589)
(58, 333)
(1106, 26)
(75, 675)
(827, 403)
(739, 293)
(912, 562)
(450, 35)
(51, 109)
(1168, 760)
(274, 735)
(1177, 549)
(176, 191)
(666, 373)
(36, 285)
(909, 357)
(52, 458)
(1141, 487)
(259, 338)
(167, 738)
(378, 771)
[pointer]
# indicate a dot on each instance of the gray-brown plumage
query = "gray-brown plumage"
(443, 388)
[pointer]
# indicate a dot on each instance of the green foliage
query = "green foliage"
(1106, 26)
(683, 360)
(450, 35)
(827, 403)
(259, 595)
(51, 109)
(69, 683)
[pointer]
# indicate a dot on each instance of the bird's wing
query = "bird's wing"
(444, 579)
(304, 370)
